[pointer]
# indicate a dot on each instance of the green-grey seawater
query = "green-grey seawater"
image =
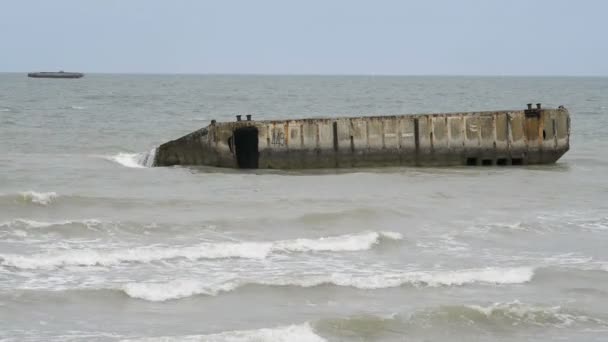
(94, 245)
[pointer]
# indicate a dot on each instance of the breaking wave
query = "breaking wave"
(134, 160)
(176, 289)
(497, 316)
(210, 250)
(23, 227)
(517, 312)
(366, 281)
(342, 243)
(41, 198)
(512, 314)
(25, 224)
(301, 333)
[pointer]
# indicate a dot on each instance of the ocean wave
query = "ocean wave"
(209, 250)
(515, 312)
(26, 224)
(490, 275)
(134, 160)
(42, 198)
(547, 223)
(94, 257)
(301, 333)
(354, 214)
(176, 289)
(23, 227)
(356, 242)
(183, 288)
(496, 316)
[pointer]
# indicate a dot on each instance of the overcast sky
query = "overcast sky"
(425, 37)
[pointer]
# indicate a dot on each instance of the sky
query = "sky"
(374, 37)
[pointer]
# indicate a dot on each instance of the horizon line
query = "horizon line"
(313, 74)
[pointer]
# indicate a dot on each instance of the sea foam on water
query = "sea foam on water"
(42, 198)
(364, 280)
(134, 160)
(206, 250)
(292, 333)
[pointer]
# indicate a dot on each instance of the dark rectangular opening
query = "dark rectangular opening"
(335, 127)
(416, 134)
(517, 161)
(471, 161)
(486, 162)
(246, 147)
(501, 161)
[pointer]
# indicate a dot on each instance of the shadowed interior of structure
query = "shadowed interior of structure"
(246, 147)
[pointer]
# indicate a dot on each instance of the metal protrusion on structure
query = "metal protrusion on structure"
(248, 117)
(213, 121)
(238, 118)
(529, 106)
(538, 106)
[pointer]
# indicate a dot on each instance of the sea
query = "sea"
(96, 245)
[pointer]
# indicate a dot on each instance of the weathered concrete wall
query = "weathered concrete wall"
(474, 138)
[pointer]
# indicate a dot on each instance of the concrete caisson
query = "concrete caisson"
(518, 137)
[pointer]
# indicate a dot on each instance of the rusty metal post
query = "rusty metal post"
(248, 117)
(238, 118)
(538, 106)
(529, 106)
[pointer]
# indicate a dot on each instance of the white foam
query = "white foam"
(37, 224)
(209, 250)
(134, 160)
(356, 242)
(490, 275)
(366, 281)
(418, 278)
(536, 315)
(42, 198)
(92, 257)
(392, 235)
(175, 289)
(5, 109)
(147, 159)
(127, 159)
(292, 333)
(20, 233)
(25, 223)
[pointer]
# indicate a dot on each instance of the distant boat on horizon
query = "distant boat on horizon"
(54, 74)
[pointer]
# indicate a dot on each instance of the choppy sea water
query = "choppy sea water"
(94, 245)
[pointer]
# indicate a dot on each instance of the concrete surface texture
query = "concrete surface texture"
(519, 137)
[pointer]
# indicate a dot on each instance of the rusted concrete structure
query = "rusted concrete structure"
(518, 137)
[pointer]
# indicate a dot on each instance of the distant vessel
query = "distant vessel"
(52, 74)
